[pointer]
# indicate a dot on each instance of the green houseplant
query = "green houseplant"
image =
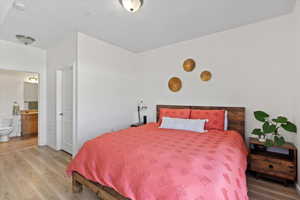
(271, 127)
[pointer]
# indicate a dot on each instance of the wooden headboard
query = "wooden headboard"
(236, 115)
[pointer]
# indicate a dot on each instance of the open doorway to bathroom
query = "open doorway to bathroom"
(19, 108)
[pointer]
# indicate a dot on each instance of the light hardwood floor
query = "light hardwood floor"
(38, 173)
(18, 143)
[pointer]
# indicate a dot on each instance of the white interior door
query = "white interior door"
(67, 110)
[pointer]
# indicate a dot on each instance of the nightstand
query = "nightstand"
(279, 162)
(137, 125)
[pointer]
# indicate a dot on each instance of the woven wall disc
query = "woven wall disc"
(175, 84)
(206, 76)
(189, 65)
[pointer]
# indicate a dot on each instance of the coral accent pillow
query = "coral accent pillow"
(215, 118)
(174, 113)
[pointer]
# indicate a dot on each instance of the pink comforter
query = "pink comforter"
(148, 163)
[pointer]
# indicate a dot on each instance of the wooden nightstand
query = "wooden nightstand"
(279, 162)
(137, 124)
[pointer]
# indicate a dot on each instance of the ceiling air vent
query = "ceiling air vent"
(27, 40)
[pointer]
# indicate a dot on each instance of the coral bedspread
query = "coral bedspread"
(148, 163)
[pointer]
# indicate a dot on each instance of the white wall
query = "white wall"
(107, 87)
(28, 59)
(31, 91)
(22, 58)
(63, 54)
(254, 66)
(11, 89)
(296, 98)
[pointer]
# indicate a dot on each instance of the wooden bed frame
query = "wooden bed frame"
(236, 121)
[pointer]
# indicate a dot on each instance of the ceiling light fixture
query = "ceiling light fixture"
(19, 6)
(32, 79)
(131, 5)
(27, 40)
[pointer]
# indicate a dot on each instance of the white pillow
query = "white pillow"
(226, 121)
(196, 125)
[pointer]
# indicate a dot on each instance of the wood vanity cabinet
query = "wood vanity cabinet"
(29, 121)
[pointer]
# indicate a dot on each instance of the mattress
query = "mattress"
(149, 163)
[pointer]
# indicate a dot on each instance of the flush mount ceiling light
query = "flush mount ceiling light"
(19, 6)
(27, 40)
(132, 5)
(32, 79)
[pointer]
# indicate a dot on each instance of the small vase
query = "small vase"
(262, 138)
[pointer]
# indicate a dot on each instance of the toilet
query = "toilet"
(6, 128)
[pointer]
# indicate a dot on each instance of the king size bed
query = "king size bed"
(153, 163)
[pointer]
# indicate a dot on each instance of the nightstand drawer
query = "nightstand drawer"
(272, 166)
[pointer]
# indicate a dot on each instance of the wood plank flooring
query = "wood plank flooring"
(38, 173)
(18, 143)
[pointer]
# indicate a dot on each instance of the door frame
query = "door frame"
(59, 72)
(42, 100)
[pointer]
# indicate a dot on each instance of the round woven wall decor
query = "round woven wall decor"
(189, 65)
(175, 84)
(206, 76)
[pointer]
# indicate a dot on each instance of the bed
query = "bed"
(148, 163)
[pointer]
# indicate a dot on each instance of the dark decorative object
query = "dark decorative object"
(137, 125)
(141, 107)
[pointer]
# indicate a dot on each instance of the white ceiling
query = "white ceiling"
(5, 6)
(158, 23)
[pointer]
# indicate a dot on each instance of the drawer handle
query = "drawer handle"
(271, 166)
(291, 167)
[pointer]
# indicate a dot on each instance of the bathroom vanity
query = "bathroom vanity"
(29, 121)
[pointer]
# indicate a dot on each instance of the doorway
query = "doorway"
(19, 110)
(65, 109)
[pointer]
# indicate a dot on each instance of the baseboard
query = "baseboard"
(298, 188)
(52, 146)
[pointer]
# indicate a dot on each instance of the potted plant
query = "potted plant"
(271, 127)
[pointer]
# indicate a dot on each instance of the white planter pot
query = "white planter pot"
(262, 139)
